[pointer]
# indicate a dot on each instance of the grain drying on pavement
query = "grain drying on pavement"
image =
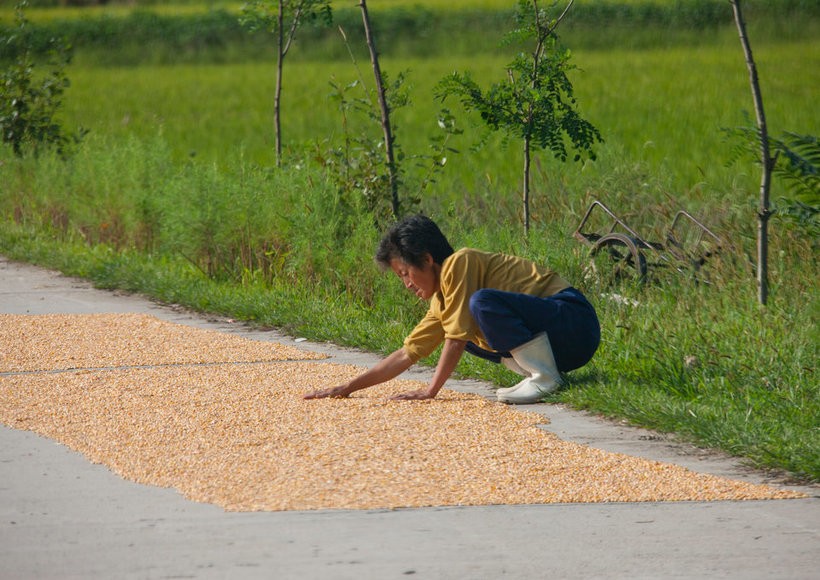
(64, 341)
(135, 394)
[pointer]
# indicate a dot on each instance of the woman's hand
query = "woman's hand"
(340, 392)
(386, 369)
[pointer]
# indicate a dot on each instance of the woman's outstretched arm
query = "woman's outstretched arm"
(388, 368)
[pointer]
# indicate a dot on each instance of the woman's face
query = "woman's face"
(423, 282)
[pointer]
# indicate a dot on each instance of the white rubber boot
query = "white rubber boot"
(510, 363)
(536, 358)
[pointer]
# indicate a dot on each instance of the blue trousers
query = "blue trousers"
(508, 320)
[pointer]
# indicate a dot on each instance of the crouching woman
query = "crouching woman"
(499, 307)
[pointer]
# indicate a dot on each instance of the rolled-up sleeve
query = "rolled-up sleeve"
(425, 337)
(460, 278)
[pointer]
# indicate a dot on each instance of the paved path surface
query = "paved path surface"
(62, 517)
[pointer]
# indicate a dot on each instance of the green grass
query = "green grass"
(172, 194)
(662, 110)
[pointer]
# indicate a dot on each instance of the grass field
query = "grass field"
(172, 193)
(194, 6)
(663, 110)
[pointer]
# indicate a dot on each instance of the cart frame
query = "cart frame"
(629, 250)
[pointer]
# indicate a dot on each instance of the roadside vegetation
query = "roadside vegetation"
(173, 190)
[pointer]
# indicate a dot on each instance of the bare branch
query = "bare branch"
(560, 18)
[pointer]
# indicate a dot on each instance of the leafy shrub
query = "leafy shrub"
(28, 104)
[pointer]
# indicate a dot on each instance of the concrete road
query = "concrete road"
(62, 517)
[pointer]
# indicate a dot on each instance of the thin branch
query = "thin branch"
(385, 111)
(293, 26)
(560, 18)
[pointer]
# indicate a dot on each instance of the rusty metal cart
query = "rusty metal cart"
(615, 246)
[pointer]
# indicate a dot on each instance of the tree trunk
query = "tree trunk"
(385, 112)
(277, 97)
(767, 162)
(526, 186)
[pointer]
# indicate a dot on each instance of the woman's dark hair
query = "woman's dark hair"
(410, 240)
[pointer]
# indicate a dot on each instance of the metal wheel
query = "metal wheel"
(617, 257)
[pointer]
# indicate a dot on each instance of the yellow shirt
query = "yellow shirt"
(463, 273)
